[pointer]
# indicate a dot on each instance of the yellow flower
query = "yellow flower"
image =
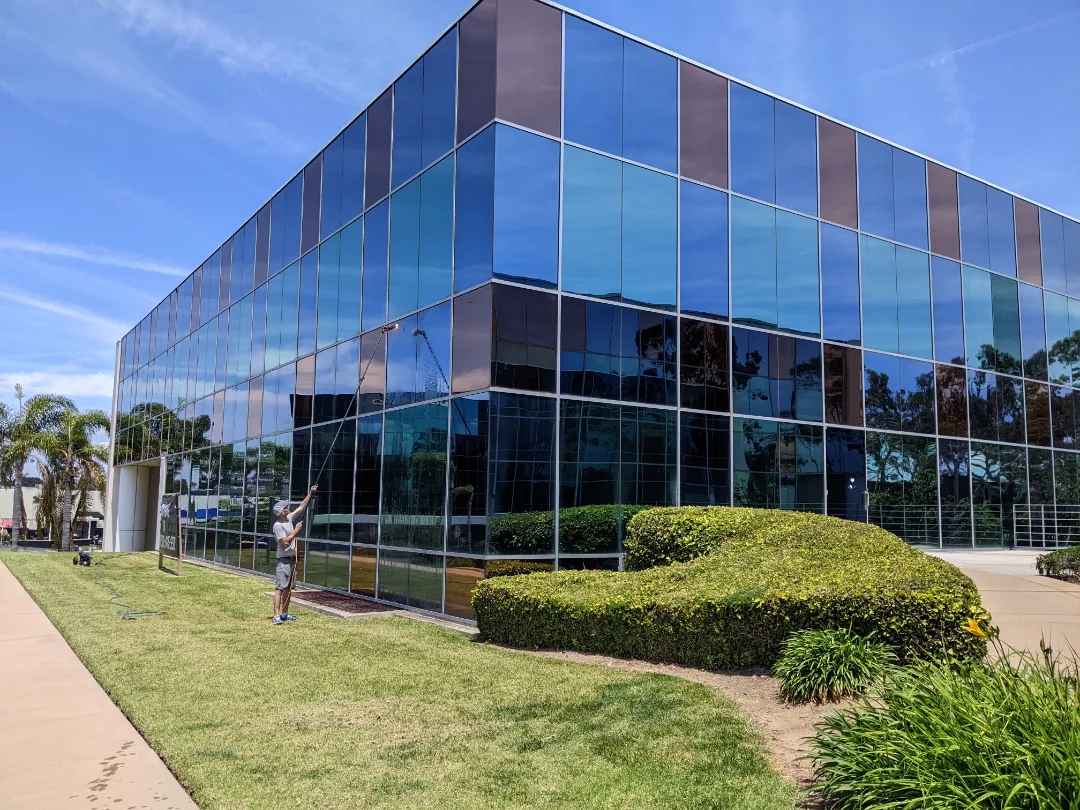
(974, 628)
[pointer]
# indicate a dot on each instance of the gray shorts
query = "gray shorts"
(284, 572)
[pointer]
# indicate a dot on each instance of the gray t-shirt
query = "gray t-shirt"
(282, 529)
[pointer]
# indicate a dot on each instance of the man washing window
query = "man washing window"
(286, 533)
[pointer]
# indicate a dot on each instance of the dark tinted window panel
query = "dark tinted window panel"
(368, 484)
(952, 401)
(472, 341)
(881, 391)
(703, 251)
(1063, 417)
(704, 474)
(703, 134)
(1037, 409)
(476, 69)
(309, 231)
(529, 88)
(524, 339)
(843, 385)
(1006, 308)
(522, 473)
(469, 426)
(1067, 479)
(594, 86)
(845, 472)
(380, 125)
(917, 396)
(1040, 480)
(839, 175)
(944, 211)
(650, 106)
(703, 366)
(1028, 250)
(305, 391)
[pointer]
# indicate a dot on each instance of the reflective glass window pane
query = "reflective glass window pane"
(592, 223)
(1063, 416)
(469, 430)
(880, 327)
(845, 473)
(372, 371)
(752, 365)
(703, 251)
(368, 484)
(703, 365)
(944, 211)
(404, 249)
(843, 385)
(913, 302)
(530, 65)
(475, 220)
(703, 125)
(999, 213)
(1028, 250)
(952, 406)
(948, 311)
(333, 450)
(909, 183)
(881, 391)
(797, 285)
(440, 99)
(647, 357)
(418, 357)
(649, 237)
(974, 229)
(840, 284)
(285, 215)
(839, 173)
(472, 341)
(325, 370)
(376, 257)
(1007, 353)
(436, 248)
(1037, 412)
(753, 263)
(332, 158)
(650, 125)
(753, 153)
(916, 396)
(476, 68)
(1032, 332)
(354, 144)
(796, 159)
(309, 280)
(379, 128)
(704, 477)
(978, 318)
(408, 124)
(329, 269)
(1052, 245)
(1058, 337)
(1072, 255)
(414, 476)
(526, 230)
(224, 296)
(877, 213)
(594, 86)
(305, 395)
(262, 244)
(524, 335)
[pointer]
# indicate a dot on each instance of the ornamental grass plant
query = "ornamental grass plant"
(825, 666)
(1004, 734)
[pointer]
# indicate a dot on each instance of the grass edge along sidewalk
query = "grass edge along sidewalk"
(386, 713)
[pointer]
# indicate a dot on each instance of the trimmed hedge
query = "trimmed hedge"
(763, 575)
(515, 568)
(582, 530)
(1062, 564)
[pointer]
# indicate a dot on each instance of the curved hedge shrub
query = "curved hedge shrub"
(1062, 564)
(759, 575)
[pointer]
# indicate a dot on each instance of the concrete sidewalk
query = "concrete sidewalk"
(1026, 607)
(65, 744)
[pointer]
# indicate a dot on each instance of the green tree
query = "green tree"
(25, 431)
(78, 458)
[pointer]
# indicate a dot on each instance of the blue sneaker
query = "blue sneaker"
(277, 620)
(288, 617)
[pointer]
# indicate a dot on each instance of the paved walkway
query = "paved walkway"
(1026, 607)
(64, 742)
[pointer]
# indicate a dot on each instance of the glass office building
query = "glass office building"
(618, 277)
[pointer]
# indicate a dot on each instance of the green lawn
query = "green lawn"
(324, 713)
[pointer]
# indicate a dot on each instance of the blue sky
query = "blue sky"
(137, 135)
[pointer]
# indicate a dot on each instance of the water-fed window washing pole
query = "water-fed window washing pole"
(383, 332)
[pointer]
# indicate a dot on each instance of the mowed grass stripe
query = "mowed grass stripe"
(386, 713)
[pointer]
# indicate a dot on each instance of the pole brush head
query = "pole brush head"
(390, 327)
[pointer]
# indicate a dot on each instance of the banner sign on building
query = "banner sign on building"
(170, 541)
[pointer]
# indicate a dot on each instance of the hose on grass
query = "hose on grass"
(125, 611)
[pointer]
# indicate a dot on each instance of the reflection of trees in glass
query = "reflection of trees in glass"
(1035, 366)
(1066, 352)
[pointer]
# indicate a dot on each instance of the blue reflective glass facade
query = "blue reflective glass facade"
(618, 279)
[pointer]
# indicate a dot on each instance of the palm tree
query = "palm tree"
(7, 422)
(40, 414)
(78, 459)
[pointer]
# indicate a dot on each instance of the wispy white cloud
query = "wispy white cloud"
(111, 330)
(948, 56)
(66, 382)
(19, 243)
(293, 61)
